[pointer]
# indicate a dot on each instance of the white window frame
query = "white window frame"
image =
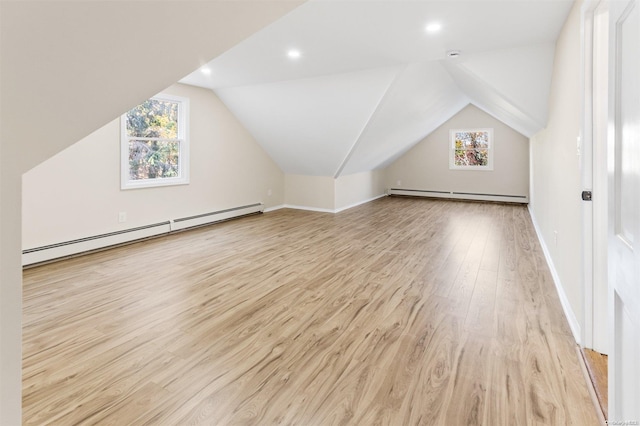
(183, 139)
(452, 150)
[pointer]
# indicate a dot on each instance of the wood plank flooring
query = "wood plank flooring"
(397, 312)
(597, 366)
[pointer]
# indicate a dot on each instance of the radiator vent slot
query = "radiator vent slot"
(111, 239)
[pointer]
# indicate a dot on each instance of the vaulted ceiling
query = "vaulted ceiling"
(370, 81)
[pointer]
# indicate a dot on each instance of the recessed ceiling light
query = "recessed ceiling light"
(294, 54)
(205, 70)
(433, 27)
(453, 53)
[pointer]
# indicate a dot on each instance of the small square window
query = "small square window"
(471, 149)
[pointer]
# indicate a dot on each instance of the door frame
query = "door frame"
(592, 148)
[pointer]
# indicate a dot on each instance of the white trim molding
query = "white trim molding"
(564, 300)
(470, 134)
(324, 210)
(307, 208)
(359, 203)
(183, 147)
(274, 208)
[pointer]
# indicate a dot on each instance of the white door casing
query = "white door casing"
(600, 118)
(624, 211)
(595, 45)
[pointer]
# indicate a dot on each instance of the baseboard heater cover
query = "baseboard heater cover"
(81, 245)
(459, 195)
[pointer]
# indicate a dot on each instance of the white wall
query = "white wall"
(358, 188)
(310, 192)
(328, 194)
(555, 186)
(77, 192)
(426, 165)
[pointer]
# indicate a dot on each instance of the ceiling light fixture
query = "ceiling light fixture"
(433, 27)
(205, 70)
(294, 54)
(453, 53)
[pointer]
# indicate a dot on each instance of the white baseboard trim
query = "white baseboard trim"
(274, 208)
(341, 209)
(322, 210)
(307, 208)
(564, 301)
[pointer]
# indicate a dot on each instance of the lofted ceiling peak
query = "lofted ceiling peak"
(340, 87)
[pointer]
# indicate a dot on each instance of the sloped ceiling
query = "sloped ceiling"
(307, 125)
(370, 82)
(73, 66)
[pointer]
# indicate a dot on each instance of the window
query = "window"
(471, 149)
(154, 145)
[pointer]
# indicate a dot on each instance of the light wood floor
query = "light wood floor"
(598, 366)
(397, 312)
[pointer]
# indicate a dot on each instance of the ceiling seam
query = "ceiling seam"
(371, 117)
(455, 70)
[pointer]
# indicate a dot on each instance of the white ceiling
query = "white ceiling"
(371, 82)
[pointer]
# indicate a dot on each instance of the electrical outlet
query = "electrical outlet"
(269, 192)
(122, 217)
(399, 182)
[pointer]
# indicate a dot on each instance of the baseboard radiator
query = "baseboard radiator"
(70, 248)
(524, 199)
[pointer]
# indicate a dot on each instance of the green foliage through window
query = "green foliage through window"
(154, 135)
(154, 118)
(153, 159)
(471, 148)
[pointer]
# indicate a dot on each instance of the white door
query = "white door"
(624, 213)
